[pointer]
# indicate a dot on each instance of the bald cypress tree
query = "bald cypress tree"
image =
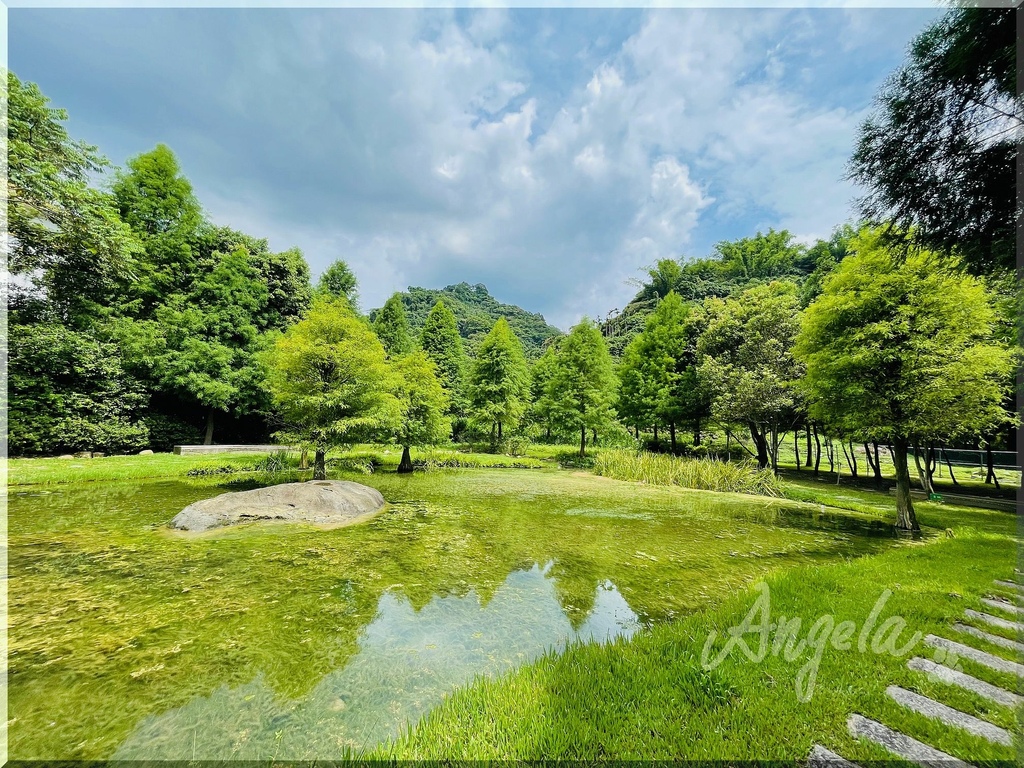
(500, 382)
(441, 342)
(392, 327)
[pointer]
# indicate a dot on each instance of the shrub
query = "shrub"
(702, 474)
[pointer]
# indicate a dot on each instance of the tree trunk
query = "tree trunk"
(796, 447)
(949, 465)
(494, 435)
(851, 459)
(499, 430)
(877, 466)
(304, 459)
(593, 433)
(990, 475)
(906, 520)
(921, 476)
(807, 429)
(549, 434)
(405, 465)
(583, 441)
(761, 443)
(319, 465)
(696, 434)
(672, 436)
(817, 454)
(775, 450)
(655, 437)
(208, 440)
(830, 453)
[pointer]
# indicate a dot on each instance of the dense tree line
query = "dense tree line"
(135, 321)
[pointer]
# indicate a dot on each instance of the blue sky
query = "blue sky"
(549, 154)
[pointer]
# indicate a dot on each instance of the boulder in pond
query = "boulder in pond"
(320, 502)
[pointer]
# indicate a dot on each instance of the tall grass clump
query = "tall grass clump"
(703, 474)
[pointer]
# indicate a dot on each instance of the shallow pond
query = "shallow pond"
(131, 641)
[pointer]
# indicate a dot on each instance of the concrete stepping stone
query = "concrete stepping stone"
(973, 684)
(900, 745)
(1003, 642)
(995, 621)
(987, 659)
(1003, 606)
(826, 758)
(1010, 585)
(948, 715)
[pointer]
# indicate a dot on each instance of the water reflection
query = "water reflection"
(407, 661)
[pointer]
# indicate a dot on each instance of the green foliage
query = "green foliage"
(746, 360)
(338, 281)
(543, 402)
(583, 382)
(938, 155)
(762, 257)
(499, 386)
(286, 276)
(68, 392)
(392, 327)
(442, 344)
(822, 258)
(903, 349)
(659, 383)
(423, 402)
(65, 237)
(329, 377)
(701, 474)
(476, 311)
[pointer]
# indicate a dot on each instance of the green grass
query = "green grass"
(700, 474)
(650, 697)
(113, 619)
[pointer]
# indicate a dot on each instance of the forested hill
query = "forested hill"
(477, 311)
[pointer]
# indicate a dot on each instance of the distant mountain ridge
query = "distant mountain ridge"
(476, 312)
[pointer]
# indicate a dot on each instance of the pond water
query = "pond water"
(130, 641)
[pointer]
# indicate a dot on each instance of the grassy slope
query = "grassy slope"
(657, 702)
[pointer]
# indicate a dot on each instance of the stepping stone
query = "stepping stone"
(825, 758)
(1003, 642)
(1003, 606)
(995, 621)
(1010, 585)
(973, 684)
(901, 745)
(986, 659)
(948, 715)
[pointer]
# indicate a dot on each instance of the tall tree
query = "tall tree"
(499, 386)
(65, 237)
(583, 385)
(938, 155)
(903, 351)
(339, 281)
(200, 345)
(762, 257)
(543, 409)
(392, 327)
(441, 341)
(157, 202)
(747, 363)
(423, 404)
(329, 376)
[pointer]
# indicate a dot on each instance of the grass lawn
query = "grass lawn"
(649, 697)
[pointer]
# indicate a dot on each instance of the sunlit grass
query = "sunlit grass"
(700, 474)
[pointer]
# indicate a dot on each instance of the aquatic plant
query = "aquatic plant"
(701, 474)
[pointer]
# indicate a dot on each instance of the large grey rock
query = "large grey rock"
(321, 502)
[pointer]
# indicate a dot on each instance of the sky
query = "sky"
(550, 154)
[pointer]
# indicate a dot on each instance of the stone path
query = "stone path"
(907, 748)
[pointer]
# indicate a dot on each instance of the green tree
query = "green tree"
(69, 392)
(583, 385)
(329, 376)
(499, 385)
(200, 345)
(441, 341)
(339, 281)
(157, 202)
(543, 409)
(65, 237)
(903, 351)
(746, 361)
(423, 403)
(762, 257)
(822, 258)
(392, 327)
(938, 154)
